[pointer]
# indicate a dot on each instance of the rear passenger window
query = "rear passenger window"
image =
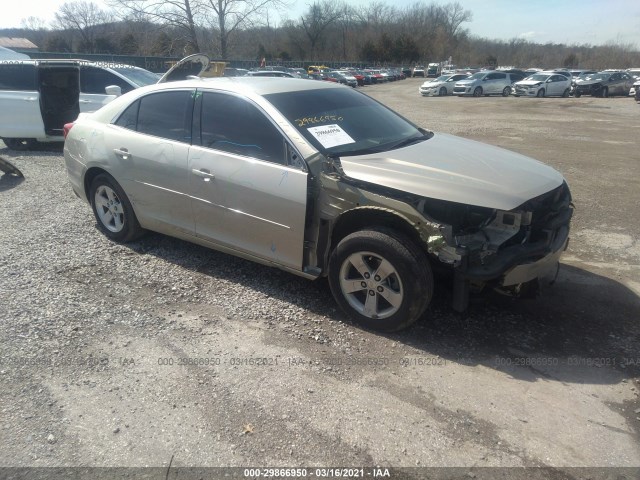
(166, 115)
(234, 125)
(95, 80)
(17, 76)
(129, 118)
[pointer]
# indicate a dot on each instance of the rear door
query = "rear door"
(148, 147)
(246, 194)
(19, 101)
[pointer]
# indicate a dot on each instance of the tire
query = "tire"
(477, 92)
(540, 93)
(19, 144)
(442, 92)
(604, 93)
(565, 94)
(506, 91)
(113, 211)
(388, 302)
(577, 95)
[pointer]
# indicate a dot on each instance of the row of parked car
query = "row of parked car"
(347, 76)
(560, 83)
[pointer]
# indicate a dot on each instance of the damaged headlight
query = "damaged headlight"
(469, 229)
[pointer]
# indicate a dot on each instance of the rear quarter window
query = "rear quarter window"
(18, 76)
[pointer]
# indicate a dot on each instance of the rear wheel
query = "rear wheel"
(19, 144)
(381, 279)
(506, 91)
(442, 92)
(604, 93)
(565, 94)
(113, 210)
(477, 92)
(540, 93)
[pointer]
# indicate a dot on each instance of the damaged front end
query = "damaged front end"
(506, 250)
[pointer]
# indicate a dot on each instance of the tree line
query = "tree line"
(377, 33)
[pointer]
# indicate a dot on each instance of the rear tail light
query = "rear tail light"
(66, 129)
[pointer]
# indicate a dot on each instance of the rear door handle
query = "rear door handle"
(123, 152)
(203, 173)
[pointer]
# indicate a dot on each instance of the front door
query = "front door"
(245, 196)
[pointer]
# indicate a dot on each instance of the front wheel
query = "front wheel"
(19, 144)
(113, 210)
(506, 92)
(540, 93)
(604, 93)
(381, 279)
(577, 94)
(477, 92)
(442, 92)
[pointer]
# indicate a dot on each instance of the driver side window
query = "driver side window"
(235, 125)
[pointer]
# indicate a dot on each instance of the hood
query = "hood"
(588, 82)
(432, 84)
(193, 65)
(526, 83)
(455, 169)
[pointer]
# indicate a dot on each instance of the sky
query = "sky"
(594, 22)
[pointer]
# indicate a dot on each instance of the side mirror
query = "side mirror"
(113, 90)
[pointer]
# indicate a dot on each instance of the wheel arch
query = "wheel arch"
(361, 218)
(89, 176)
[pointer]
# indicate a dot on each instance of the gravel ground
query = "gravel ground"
(161, 351)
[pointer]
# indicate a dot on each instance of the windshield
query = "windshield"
(442, 78)
(344, 122)
(476, 76)
(139, 76)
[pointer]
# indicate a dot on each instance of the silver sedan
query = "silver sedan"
(320, 180)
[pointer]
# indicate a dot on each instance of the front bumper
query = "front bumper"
(520, 263)
(525, 92)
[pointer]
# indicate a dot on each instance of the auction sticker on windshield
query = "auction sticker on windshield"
(331, 135)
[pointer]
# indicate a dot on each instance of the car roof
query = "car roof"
(242, 85)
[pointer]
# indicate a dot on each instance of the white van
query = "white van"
(38, 97)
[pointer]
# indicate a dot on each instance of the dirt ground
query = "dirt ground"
(163, 352)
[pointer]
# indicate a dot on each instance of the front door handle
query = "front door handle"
(122, 152)
(203, 173)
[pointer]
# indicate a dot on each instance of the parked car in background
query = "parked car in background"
(579, 74)
(604, 84)
(634, 72)
(635, 90)
(441, 86)
(487, 82)
(320, 181)
(418, 71)
(543, 84)
(270, 73)
(352, 81)
(38, 97)
(235, 72)
(433, 70)
(337, 77)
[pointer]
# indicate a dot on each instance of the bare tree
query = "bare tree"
(37, 28)
(82, 18)
(181, 14)
(319, 17)
(232, 15)
(454, 16)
